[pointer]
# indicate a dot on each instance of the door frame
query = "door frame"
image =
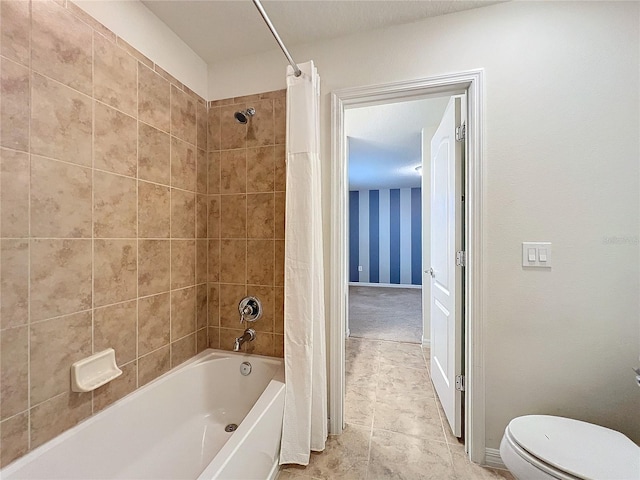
(471, 83)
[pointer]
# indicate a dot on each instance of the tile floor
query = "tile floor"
(395, 425)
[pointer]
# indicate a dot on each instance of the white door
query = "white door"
(427, 134)
(446, 278)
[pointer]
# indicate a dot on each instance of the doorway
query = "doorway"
(395, 150)
(387, 145)
(388, 392)
(468, 84)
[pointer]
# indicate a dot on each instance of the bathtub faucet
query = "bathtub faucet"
(249, 335)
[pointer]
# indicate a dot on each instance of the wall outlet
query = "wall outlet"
(359, 268)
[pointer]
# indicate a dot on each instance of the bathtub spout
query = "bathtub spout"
(248, 336)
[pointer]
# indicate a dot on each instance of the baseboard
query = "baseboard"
(348, 334)
(493, 459)
(384, 285)
(426, 342)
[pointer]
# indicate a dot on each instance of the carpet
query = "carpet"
(386, 313)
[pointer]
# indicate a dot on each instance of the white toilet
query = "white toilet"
(542, 447)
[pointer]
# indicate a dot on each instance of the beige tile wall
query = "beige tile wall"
(246, 219)
(103, 217)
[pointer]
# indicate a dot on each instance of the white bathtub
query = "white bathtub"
(173, 428)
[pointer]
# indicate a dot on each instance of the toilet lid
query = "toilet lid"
(582, 449)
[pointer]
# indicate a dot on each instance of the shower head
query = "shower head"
(243, 116)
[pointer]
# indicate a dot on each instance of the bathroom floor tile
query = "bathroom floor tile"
(362, 379)
(344, 457)
(290, 474)
(356, 344)
(359, 406)
(362, 357)
(416, 416)
(396, 428)
(409, 382)
(358, 367)
(405, 355)
(398, 456)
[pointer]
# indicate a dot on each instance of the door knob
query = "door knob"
(431, 272)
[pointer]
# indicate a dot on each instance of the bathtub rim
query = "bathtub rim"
(210, 354)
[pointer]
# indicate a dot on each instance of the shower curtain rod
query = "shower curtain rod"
(265, 17)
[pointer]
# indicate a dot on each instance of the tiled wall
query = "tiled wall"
(246, 219)
(103, 217)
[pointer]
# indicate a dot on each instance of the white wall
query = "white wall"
(561, 165)
(136, 24)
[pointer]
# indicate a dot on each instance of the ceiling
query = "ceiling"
(385, 142)
(219, 30)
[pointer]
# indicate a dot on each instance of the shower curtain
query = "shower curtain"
(305, 411)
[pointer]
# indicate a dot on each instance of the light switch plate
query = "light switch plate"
(544, 247)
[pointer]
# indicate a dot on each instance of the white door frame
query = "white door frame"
(456, 83)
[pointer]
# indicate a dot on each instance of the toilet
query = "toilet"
(543, 447)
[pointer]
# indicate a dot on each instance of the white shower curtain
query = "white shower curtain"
(305, 412)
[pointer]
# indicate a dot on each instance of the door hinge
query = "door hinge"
(461, 258)
(461, 132)
(460, 383)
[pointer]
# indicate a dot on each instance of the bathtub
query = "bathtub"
(174, 428)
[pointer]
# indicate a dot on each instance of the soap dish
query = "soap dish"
(94, 371)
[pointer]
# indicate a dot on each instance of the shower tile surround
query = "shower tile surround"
(133, 215)
(246, 188)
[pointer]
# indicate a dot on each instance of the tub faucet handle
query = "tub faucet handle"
(246, 311)
(250, 309)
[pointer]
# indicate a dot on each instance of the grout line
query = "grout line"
(12, 60)
(104, 238)
(219, 228)
(408, 435)
(47, 77)
(15, 150)
(36, 322)
(373, 415)
(166, 132)
(170, 225)
(22, 412)
(96, 100)
(93, 194)
(248, 148)
(29, 238)
(49, 399)
(100, 307)
(155, 350)
(137, 383)
(100, 170)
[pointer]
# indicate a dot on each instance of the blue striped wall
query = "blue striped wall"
(354, 229)
(385, 236)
